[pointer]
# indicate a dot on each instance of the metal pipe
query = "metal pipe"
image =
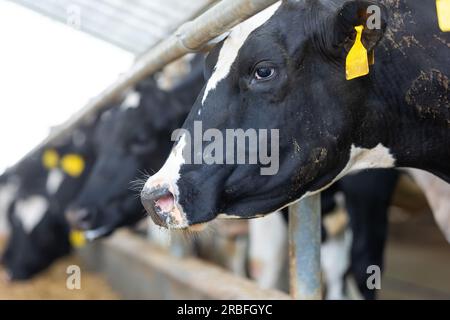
(191, 36)
(304, 249)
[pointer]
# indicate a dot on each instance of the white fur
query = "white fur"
(7, 193)
(30, 211)
(361, 158)
(227, 216)
(105, 115)
(437, 192)
(233, 43)
(54, 179)
(132, 100)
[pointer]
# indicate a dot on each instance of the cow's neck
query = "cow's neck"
(415, 139)
(409, 91)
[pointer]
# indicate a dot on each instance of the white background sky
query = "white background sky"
(47, 71)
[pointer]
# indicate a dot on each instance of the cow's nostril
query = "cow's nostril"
(158, 202)
(165, 203)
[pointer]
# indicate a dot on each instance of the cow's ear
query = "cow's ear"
(371, 15)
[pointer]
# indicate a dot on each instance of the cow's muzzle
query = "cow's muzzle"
(161, 205)
(80, 218)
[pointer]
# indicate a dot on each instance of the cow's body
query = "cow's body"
(437, 193)
(366, 197)
(397, 116)
(39, 233)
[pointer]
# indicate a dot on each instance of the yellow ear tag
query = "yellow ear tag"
(77, 239)
(73, 165)
(357, 63)
(50, 159)
(443, 13)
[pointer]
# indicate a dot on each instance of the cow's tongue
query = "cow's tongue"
(165, 203)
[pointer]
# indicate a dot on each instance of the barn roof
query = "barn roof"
(134, 25)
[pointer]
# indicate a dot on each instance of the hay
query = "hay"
(51, 284)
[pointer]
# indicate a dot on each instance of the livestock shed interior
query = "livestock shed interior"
(99, 209)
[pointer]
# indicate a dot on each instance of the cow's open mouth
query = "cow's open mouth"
(165, 204)
(161, 205)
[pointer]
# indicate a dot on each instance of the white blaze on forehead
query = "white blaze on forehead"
(131, 101)
(233, 43)
(171, 168)
(54, 179)
(30, 211)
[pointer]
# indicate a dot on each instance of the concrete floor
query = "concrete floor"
(417, 261)
(51, 284)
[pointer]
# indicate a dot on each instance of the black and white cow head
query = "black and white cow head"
(282, 70)
(123, 143)
(39, 235)
(131, 139)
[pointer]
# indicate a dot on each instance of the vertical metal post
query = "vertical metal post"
(304, 249)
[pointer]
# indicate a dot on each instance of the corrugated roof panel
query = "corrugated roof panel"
(134, 25)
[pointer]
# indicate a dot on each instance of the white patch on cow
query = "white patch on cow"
(437, 192)
(94, 234)
(227, 216)
(233, 44)
(105, 115)
(335, 261)
(168, 176)
(30, 211)
(7, 194)
(268, 250)
(54, 179)
(362, 158)
(131, 101)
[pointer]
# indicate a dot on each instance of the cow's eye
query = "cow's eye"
(264, 73)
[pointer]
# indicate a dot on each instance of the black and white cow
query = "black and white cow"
(47, 181)
(284, 69)
(130, 140)
(366, 197)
